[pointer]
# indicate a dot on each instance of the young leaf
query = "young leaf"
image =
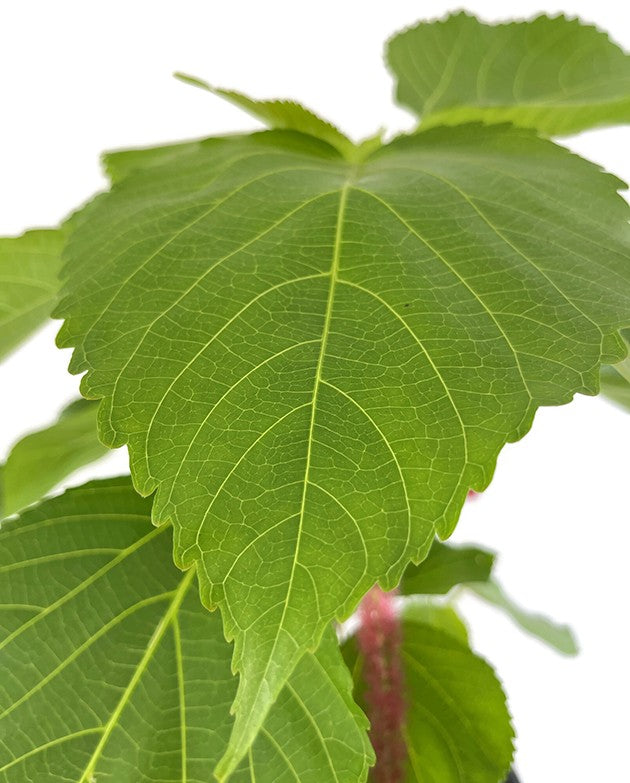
(41, 460)
(457, 723)
(287, 115)
(29, 265)
(313, 361)
(112, 669)
(284, 115)
(560, 637)
(445, 567)
(553, 74)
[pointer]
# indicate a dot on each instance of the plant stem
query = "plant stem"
(379, 638)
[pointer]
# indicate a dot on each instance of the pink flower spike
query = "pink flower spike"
(379, 638)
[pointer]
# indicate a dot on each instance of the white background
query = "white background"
(81, 77)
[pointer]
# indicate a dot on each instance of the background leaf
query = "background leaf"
(445, 567)
(558, 636)
(615, 384)
(441, 617)
(287, 115)
(112, 669)
(553, 74)
(457, 722)
(41, 460)
(29, 265)
(615, 381)
(313, 362)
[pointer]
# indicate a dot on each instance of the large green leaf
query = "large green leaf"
(313, 361)
(554, 74)
(112, 670)
(445, 567)
(458, 727)
(42, 459)
(29, 265)
(558, 636)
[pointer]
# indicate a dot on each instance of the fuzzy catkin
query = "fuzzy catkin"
(379, 638)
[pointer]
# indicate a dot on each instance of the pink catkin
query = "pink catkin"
(379, 638)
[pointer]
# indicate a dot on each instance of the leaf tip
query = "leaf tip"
(193, 81)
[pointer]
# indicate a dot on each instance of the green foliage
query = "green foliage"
(554, 74)
(29, 266)
(112, 669)
(445, 567)
(458, 726)
(41, 460)
(457, 719)
(470, 569)
(443, 617)
(615, 381)
(560, 637)
(120, 163)
(313, 350)
(294, 376)
(289, 115)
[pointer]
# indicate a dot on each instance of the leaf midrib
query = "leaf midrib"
(172, 238)
(347, 188)
(334, 271)
(225, 767)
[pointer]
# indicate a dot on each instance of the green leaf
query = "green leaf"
(41, 460)
(29, 265)
(553, 74)
(615, 383)
(289, 115)
(615, 380)
(118, 164)
(558, 636)
(112, 670)
(443, 617)
(312, 362)
(445, 567)
(457, 723)
(458, 726)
